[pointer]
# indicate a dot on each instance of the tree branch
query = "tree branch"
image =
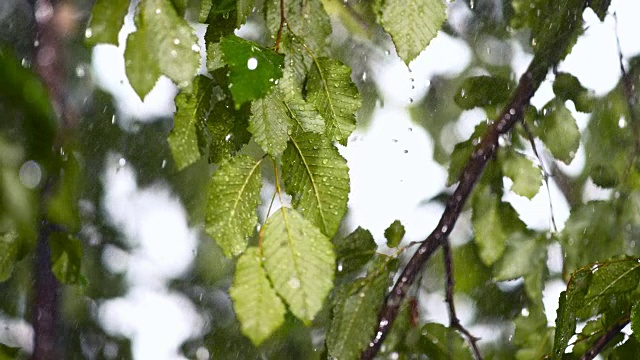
(511, 114)
(604, 339)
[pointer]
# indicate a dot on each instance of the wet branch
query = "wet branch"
(512, 113)
(283, 22)
(604, 339)
(454, 322)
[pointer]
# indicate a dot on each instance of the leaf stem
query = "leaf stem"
(283, 22)
(604, 339)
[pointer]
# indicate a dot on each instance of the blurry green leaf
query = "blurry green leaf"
(533, 338)
(493, 223)
(9, 353)
(355, 314)
(270, 123)
(8, 254)
(469, 271)
(600, 7)
(557, 129)
(193, 108)
(585, 241)
(62, 208)
(300, 262)
(412, 24)
(234, 195)
(253, 68)
(66, 258)
(226, 131)
(568, 87)
(482, 91)
(462, 153)
(107, 18)
(205, 9)
(354, 250)
(317, 178)
(442, 343)
(526, 176)
(635, 320)
(335, 96)
(17, 200)
(394, 234)
(569, 303)
(163, 43)
(22, 90)
(221, 22)
(256, 303)
(244, 8)
(521, 256)
(628, 350)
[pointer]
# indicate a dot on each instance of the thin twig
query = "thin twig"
(511, 114)
(604, 339)
(453, 318)
(283, 22)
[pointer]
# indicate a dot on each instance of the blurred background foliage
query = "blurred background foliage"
(595, 231)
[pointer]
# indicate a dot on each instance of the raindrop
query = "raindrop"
(80, 72)
(174, 53)
(158, 11)
(524, 312)
(227, 138)
(88, 33)
(176, 41)
(387, 52)
(406, 151)
(122, 162)
(252, 63)
(622, 123)
(364, 76)
(164, 163)
(445, 228)
(294, 283)
(324, 161)
(195, 47)
(113, 119)
(30, 174)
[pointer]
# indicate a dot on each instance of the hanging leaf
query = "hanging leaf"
(62, 208)
(411, 24)
(107, 18)
(569, 303)
(355, 313)
(270, 123)
(307, 19)
(354, 250)
(317, 178)
(394, 234)
(66, 258)
(193, 107)
(163, 43)
(526, 176)
(482, 91)
(558, 131)
(234, 195)
(256, 303)
(300, 262)
(253, 69)
(335, 96)
(568, 87)
(493, 223)
(442, 343)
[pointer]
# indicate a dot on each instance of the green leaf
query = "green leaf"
(442, 343)
(304, 115)
(66, 258)
(482, 91)
(8, 254)
(533, 338)
(493, 223)
(141, 67)
(107, 18)
(335, 96)
(411, 24)
(300, 262)
(163, 43)
(307, 19)
(317, 178)
(270, 123)
(62, 208)
(462, 153)
(557, 129)
(354, 250)
(234, 195)
(611, 277)
(570, 301)
(635, 320)
(226, 132)
(193, 107)
(256, 303)
(600, 7)
(355, 314)
(253, 68)
(526, 176)
(585, 241)
(8, 352)
(394, 234)
(568, 87)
